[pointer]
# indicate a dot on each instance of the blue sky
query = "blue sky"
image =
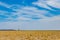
(30, 14)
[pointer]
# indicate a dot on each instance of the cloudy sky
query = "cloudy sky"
(30, 14)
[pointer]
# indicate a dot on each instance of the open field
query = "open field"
(30, 35)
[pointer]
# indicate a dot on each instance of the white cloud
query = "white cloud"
(23, 19)
(30, 12)
(53, 24)
(51, 19)
(5, 5)
(43, 3)
(54, 3)
(14, 7)
(44, 23)
(3, 12)
(48, 24)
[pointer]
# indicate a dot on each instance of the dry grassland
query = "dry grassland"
(30, 35)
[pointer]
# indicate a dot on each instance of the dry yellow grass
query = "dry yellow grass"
(30, 35)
